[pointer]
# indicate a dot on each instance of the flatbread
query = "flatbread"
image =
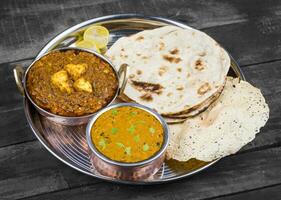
(171, 69)
(197, 109)
(225, 127)
(174, 121)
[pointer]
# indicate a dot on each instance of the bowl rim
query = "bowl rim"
(101, 156)
(66, 49)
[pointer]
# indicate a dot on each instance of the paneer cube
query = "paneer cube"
(83, 85)
(60, 80)
(76, 71)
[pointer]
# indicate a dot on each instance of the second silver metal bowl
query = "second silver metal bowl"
(127, 171)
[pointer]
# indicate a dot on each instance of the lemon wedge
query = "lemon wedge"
(87, 44)
(98, 34)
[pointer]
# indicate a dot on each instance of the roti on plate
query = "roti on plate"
(171, 70)
(196, 109)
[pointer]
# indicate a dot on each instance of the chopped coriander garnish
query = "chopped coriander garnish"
(119, 144)
(114, 130)
(133, 113)
(145, 147)
(140, 122)
(114, 112)
(102, 143)
(136, 138)
(132, 129)
(128, 150)
(152, 130)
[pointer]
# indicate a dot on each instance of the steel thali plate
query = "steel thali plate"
(68, 143)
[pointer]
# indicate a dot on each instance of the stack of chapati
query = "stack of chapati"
(182, 74)
(175, 71)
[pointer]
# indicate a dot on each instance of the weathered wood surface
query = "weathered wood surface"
(233, 174)
(261, 194)
(251, 32)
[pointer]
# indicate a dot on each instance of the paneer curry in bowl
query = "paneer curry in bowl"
(127, 141)
(69, 85)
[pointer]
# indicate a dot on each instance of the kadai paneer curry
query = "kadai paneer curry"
(71, 83)
(127, 134)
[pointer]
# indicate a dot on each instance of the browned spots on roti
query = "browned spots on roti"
(204, 88)
(148, 87)
(171, 59)
(177, 60)
(161, 46)
(187, 75)
(162, 70)
(199, 65)
(139, 72)
(132, 75)
(174, 51)
(144, 57)
(122, 49)
(139, 38)
(180, 88)
(138, 54)
(123, 56)
(169, 94)
(179, 69)
(146, 97)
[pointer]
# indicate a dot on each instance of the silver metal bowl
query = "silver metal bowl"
(21, 76)
(121, 170)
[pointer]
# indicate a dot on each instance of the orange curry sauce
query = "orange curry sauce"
(127, 134)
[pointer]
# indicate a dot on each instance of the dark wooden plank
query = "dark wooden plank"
(13, 125)
(232, 174)
(28, 169)
(10, 97)
(249, 29)
(250, 42)
(272, 193)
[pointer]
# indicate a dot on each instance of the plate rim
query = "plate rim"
(47, 47)
(71, 29)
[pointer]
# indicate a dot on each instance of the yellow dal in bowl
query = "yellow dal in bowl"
(127, 134)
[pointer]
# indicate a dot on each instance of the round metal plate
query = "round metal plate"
(68, 143)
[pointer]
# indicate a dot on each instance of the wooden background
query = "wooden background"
(249, 29)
